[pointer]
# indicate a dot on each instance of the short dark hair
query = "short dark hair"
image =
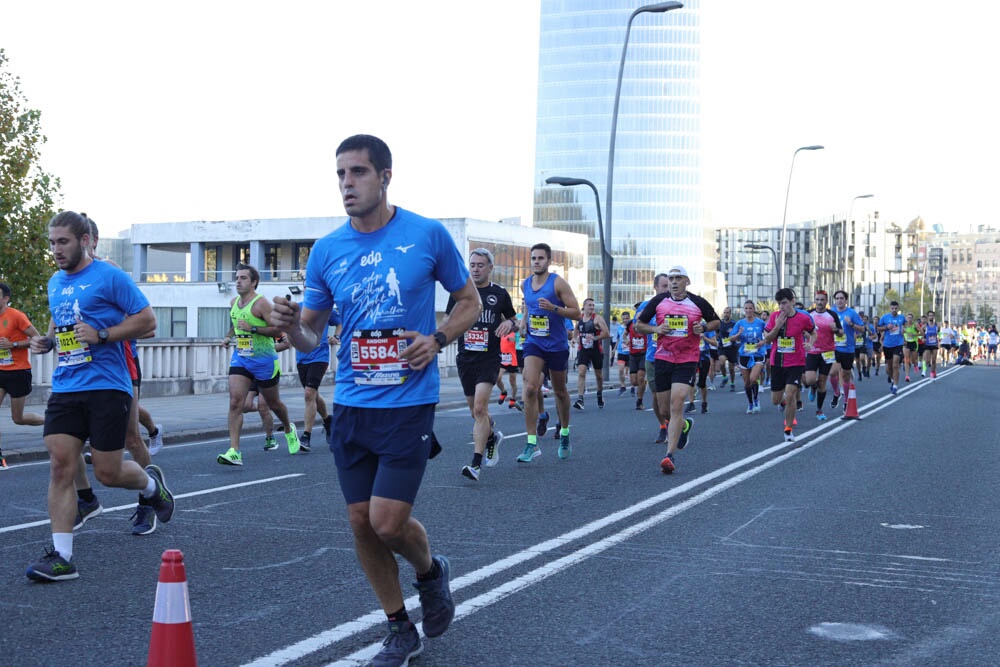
(254, 274)
(656, 278)
(784, 293)
(748, 302)
(378, 151)
(78, 223)
(587, 299)
(5, 289)
(840, 291)
(893, 303)
(543, 246)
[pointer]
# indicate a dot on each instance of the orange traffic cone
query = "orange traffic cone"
(172, 643)
(852, 404)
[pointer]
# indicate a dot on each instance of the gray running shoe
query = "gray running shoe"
(52, 567)
(402, 644)
(162, 501)
(436, 601)
(86, 511)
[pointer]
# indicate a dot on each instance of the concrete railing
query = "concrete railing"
(178, 366)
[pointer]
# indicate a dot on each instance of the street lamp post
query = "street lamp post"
(607, 261)
(658, 8)
(847, 286)
(774, 256)
(784, 217)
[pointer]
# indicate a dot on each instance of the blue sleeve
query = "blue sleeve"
(449, 268)
(134, 300)
(317, 294)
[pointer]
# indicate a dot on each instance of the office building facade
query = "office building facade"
(657, 208)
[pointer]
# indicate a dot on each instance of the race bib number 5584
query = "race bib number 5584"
(375, 357)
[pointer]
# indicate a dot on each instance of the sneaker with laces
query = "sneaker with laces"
(907, 378)
(756, 407)
(789, 436)
(292, 438)
(156, 441)
(820, 416)
(812, 394)
(564, 447)
(578, 403)
(503, 397)
(543, 424)
(632, 390)
(493, 448)
(402, 644)
(436, 601)
(661, 436)
(893, 389)
(529, 454)
(621, 391)
(750, 409)
(667, 464)
(835, 400)
(232, 457)
(686, 433)
(162, 501)
(305, 443)
(143, 519)
(86, 511)
(52, 567)
(600, 400)
(472, 472)
(270, 444)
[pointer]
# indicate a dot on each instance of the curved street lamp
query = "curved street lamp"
(781, 271)
(657, 8)
(607, 261)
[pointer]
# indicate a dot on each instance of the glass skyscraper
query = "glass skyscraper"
(657, 207)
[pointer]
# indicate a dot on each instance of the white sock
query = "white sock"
(150, 489)
(63, 543)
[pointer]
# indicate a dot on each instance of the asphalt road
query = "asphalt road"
(871, 542)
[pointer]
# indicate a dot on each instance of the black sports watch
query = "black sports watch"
(102, 336)
(441, 339)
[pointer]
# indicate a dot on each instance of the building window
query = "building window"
(241, 255)
(170, 322)
(272, 262)
(300, 259)
(213, 265)
(213, 322)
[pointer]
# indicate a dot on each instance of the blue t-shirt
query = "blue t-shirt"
(102, 295)
(846, 342)
(544, 325)
(893, 336)
(752, 333)
(320, 355)
(384, 283)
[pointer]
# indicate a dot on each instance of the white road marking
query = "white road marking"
(192, 494)
(363, 623)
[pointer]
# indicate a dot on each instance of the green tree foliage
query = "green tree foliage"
(965, 313)
(28, 199)
(986, 315)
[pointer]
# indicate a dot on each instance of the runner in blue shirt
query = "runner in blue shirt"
(749, 334)
(95, 306)
(891, 325)
(312, 367)
(381, 269)
(844, 345)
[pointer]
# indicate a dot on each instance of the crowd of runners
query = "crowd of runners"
(374, 278)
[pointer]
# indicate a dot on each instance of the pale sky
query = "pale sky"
(227, 110)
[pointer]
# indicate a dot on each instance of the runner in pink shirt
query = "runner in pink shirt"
(821, 355)
(786, 329)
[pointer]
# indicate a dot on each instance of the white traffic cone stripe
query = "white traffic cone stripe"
(172, 604)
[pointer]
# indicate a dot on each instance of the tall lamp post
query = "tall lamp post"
(657, 8)
(607, 261)
(847, 286)
(784, 217)
(774, 256)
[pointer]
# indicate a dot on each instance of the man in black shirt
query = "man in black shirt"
(478, 358)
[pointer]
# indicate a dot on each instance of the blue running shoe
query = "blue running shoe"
(402, 644)
(86, 511)
(162, 501)
(52, 567)
(812, 394)
(564, 448)
(530, 453)
(684, 441)
(820, 416)
(436, 601)
(144, 519)
(543, 424)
